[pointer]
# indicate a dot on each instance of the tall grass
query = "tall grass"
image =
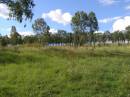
(65, 72)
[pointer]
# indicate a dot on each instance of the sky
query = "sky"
(111, 14)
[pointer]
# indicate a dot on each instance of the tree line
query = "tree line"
(84, 25)
(67, 38)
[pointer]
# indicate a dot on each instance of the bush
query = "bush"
(4, 41)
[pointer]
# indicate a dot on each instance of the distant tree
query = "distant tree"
(46, 35)
(113, 37)
(13, 29)
(108, 34)
(39, 26)
(93, 25)
(4, 40)
(79, 25)
(15, 36)
(98, 38)
(30, 39)
(62, 34)
(41, 29)
(69, 38)
(116, 37)
(122, 37)
(20, 9)
(106, 37)
(128, 33)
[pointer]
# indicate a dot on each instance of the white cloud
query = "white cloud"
(108, 20)
(99, 32)
(58, 16)
(108, 2)
(26, 33)
(52, 30)
(4, 11)
(121, 24)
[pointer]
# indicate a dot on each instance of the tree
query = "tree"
(40, 26)
(106, 37)
(82, 23)
(13, 29)
(41, 29)
(128, 33)
(46, 35)
(20, 9)
(98, 38)
(30, 39)
(62, 35)
(93, 25)
(116, 37)
(121, 37)
(15, 36)
(4, 40)
(79, 24)
(69, 38)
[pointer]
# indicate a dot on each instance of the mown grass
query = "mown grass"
(65, 72)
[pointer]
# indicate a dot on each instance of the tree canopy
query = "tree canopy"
(82, 23)
(15, 37)
(40, 26)
(93, 23)
(20, 9)
(41, 29)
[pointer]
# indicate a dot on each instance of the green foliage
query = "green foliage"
(83, 23)
(40, 26)
(20, 9)
(41, 29)
(15, 37)
(61, 37)
(93, 23)
(4, 41)
(128, 33)
(79, 26)
(30, 39)
(65, 72)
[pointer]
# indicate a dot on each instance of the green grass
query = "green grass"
(65, 72)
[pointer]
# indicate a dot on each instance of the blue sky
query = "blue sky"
(111, 14)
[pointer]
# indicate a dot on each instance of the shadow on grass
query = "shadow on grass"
(12, 57)
(87, 53)
(16, 58)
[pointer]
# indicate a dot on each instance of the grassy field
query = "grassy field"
(65, 72)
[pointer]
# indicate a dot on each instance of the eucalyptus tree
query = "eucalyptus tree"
(128, 33)
(79, 24)
(62, 34)
(69, 38)
(98, 38)
(113, 37)
(4, 40)
(106, 37)
(15, 36)
(122, 37)
(20, 9)
(41, 29)
(93, 25)
(116, 37)
(30, 39)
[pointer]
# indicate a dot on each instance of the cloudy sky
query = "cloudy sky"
(111, 14)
